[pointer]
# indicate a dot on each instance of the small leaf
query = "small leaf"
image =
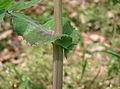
(25, 84)
(116, 2)
(67, 42)
(4, 4)
(66, 51)
(31, 31)
(67, 29)
(2, 13)
(23, 5)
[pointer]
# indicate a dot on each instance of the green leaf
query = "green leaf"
(4, 4)
(25, 84)
(2, 13)
(66, 51)
(23, 5)
(31, 31)
(67, 28)
(37, 86)
(84, 65)
(67, 42)
(116, 2)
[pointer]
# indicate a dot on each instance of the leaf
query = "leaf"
(2, 13)
(84, 65)
(35, 33)
(4, 4)
(31, 31)
(37, 86)
(25, 84)
(66, 51)
(23, 5)
(66, 25)
(116, 2)
(108, 50)
(67, 29)
(67, 42)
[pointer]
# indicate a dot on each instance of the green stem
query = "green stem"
(57, 50)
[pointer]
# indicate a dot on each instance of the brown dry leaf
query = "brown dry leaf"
(5, 55)
(110, 14)
(73, 14)
(97, 38)
(5, 34)
(82, 18)
(74, 3)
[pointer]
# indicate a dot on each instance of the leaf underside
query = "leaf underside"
(31, 31)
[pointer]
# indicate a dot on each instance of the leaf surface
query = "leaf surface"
(31, 31)
(4, 4)
(2, 13)
(23, 5)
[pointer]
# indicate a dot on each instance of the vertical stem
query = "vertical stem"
(57, 66)
(57, 50)
(58, 16)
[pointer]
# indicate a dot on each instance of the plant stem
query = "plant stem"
(57, 50)
(57, 66)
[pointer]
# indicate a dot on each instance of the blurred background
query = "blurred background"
(93, 64)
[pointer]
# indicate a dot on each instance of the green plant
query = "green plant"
(58, 31)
